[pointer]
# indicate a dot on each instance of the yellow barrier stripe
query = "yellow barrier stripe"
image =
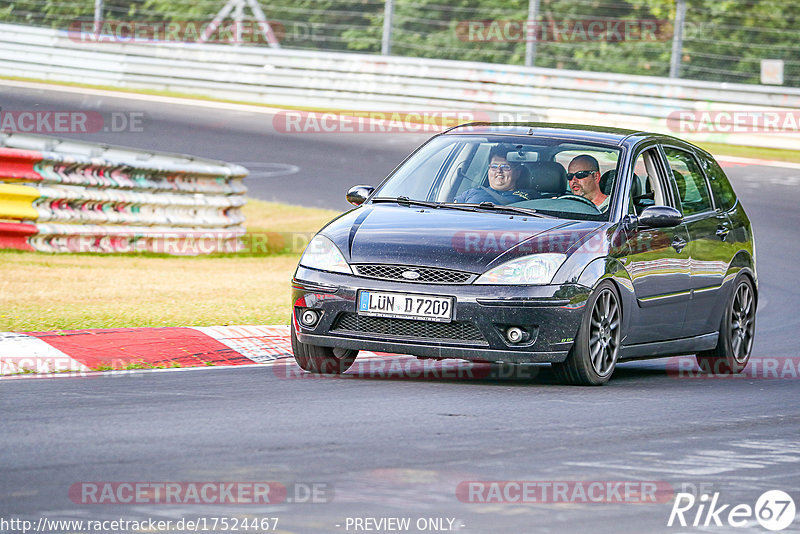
(16, 202)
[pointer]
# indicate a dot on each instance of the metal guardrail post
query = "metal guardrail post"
(238, 17)
(386, 42)
(98, 17)
(532, 33)
(677, 40)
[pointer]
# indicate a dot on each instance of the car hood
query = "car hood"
(449, 238)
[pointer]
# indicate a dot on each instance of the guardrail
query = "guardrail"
(354, 81)
(73, 196)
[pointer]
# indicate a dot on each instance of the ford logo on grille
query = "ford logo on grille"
(410, 275)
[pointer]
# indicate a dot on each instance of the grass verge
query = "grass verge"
(772, 154)
(73, 291)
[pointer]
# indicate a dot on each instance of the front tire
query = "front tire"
(593, 356)
(736, 333)
(322, 360)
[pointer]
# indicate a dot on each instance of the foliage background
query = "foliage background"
(725, 40)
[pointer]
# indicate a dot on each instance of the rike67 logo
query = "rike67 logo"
(774, 510)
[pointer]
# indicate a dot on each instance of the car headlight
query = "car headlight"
(533, 269)
(322, 254)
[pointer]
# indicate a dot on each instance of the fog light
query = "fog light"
(514, 334)
(309, 318)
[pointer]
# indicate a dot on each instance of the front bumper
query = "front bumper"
(549, 315)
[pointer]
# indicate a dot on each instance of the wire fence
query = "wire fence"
(720, 41)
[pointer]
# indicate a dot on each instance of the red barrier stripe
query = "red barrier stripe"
(17, 164)
(15, 235)
(119, 348)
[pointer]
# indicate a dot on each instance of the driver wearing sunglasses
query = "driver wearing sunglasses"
(584, 180)
(503, 178)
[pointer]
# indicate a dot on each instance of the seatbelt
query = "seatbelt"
(494, 194)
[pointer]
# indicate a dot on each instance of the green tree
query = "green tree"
(725, 40)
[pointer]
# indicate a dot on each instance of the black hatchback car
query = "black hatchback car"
(576, 246)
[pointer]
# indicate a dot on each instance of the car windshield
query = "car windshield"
(549, 177)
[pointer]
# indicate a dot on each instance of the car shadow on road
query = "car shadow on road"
(410, 369)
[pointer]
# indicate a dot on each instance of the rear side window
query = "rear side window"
(646, 189)
(724, 196)
(691, 183)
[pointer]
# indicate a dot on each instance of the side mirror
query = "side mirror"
(659, 217)
(358, 194)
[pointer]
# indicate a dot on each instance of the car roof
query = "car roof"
(576, 132)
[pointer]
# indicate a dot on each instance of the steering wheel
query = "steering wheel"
(579, 199)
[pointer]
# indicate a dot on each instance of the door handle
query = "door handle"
(722, 232)
(678, 243)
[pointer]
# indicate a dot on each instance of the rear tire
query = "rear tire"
(322, 360)
(593, 356)
(736, 331)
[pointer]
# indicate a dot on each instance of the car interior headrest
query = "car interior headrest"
(549, 178)
(607, 181)
(524, 179)
(680, 181)
(636, 187)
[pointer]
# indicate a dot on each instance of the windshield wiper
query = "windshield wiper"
(513, 209)
(405, 201)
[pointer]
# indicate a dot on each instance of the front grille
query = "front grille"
(429, 275)
(408, 328)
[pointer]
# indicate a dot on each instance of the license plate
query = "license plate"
(405, 306)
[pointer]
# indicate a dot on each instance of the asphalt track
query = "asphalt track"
(400, 447)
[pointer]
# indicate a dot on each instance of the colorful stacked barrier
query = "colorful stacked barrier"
(60, 195)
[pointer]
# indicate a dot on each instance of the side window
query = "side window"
(692, 188)
(419, 189)
(645, 188)
(724, 196)
(428, 161)
(477, 167)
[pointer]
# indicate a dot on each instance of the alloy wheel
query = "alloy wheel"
(604, 332)
(742, 324)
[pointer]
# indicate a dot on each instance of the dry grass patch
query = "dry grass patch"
(275, 217)
(60, 291)
(69, 292)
